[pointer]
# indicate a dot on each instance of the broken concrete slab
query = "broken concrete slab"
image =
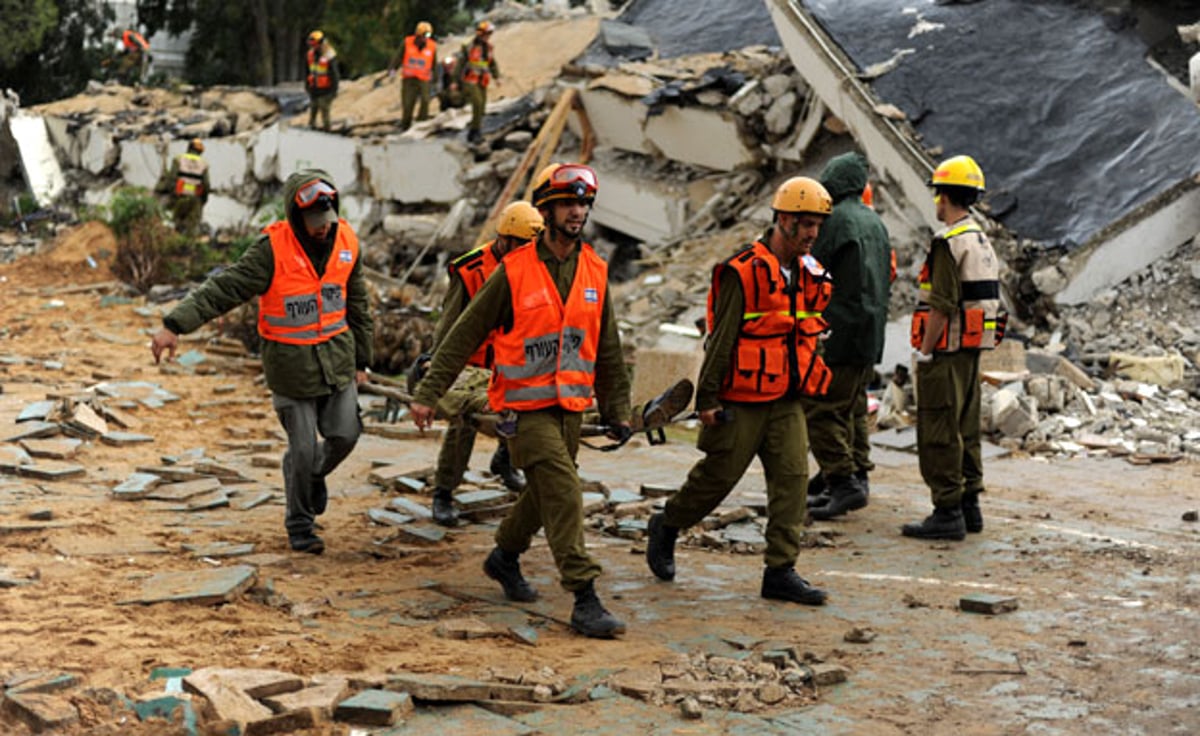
(244, 501)
(48, 470)
(264, 154)
(300, 148)
(99, 150)
(463, 719)
(410, 507)
(322, 696)
(33, 430)
(617, 120)
(472, 500)
(41, 712)
(645, 209)
(63, 448)
(182, 491)
(227, 701)
(142, 162)
(420, 533)
(987, 603)
(257, 683)
(123, 546)
(296, 721)
(705, 137)
(387, 166)
(222, 212)
(219, 549)
(13, 456)
(228, 163)
(38, 161)
(375, 708)
(136, 486)
(438, 687)
(41, 682)
(125, 439)
(388, 518)
(202, 587)
(37, 410)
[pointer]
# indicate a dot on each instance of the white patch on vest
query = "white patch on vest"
(345, 256)
(591, 295)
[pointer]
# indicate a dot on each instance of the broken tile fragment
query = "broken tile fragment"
(479, 499)
(49, 470)
(987, 603)
(463, 628)
(246, 501)
(219, 549)
(44, 683)
(438, 687)
(37, 411)
(61, 448)
(124, 439)
(257, 683)
(374, 708)
(322, 696)
(387, 518)
(136, 486)
(202, 587)
(410, 507)
(33, 430)
(42, 712)
(75, 545)
(183, 491)
(420, 533)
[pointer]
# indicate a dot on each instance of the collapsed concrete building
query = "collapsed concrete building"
(689, 137)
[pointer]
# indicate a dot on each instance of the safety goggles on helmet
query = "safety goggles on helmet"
(312, 192)
(576, 179)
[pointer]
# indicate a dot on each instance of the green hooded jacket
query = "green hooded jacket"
(853, 246)
(295, 371)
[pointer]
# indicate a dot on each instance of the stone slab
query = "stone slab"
(41, 712)
(257, 683)
(652, 490)
(172, 474)
(12, 455)
(50, 470)
(438, 687)
(35, 429)
(387, 171)
(183, 491)
(479, 499)
(421, 533)
(463, 719)
(43, 683)
(37, 411)
(244, 502)
(227, 701)
(388, 518)
(987, 603)
(114, 546)
(213, 500)
(202, 587)
(136, 486)
(10, 578)
(62, 448)
(375, 707)
(172, 708)
(219, 549)
(124, 439)
(323, 697)
(411, 507)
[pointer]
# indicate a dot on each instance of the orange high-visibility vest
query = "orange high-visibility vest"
(299, 308)
(418, 63)
(776, 350)
(318, 71)
(189, 181)
(973, 325)
(134, 41)
(548, 358)
(474, 268)
(479, 65)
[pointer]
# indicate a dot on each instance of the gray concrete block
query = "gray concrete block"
(300, 148)
(264, 154)
(987, 603)
(375, 708)
(410, 507)
(142, 162)
(41, 712)
(387, 518)
(202, 587)
(700, 136)
(387, 171)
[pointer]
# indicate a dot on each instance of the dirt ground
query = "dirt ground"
(1107, 574)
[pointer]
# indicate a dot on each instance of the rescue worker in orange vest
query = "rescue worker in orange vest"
(476, 69)
(519, 223)
(133, 57)
(958, 315)
(187, 183)
(321, 80)
(417, 62)
(562, 350)
(764, 321)
(316, 334)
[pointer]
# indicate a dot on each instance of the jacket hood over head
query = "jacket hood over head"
(845, 175)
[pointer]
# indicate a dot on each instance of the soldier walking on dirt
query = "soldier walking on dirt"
(853, 245)
(563, 349)
(764, 320)
(321, 81)
(519, 223)
(315, 322)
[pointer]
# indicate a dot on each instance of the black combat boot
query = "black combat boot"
(844, 495)
(306, 541)
(501, 467)
(320, 495)
(941, 524)
(590, 618)
(972, 516)
(444, 512)
(660, 547)
(817, 490)
(505, 568)
(860, 477)
(784, 584)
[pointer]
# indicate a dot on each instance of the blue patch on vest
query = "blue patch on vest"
(591, 295)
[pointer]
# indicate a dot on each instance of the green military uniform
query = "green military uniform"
(853, 245)
(546, 440)
(475, 93)
(186, 210)
(468, 395)
(414, 93)
(313, 385)
(321, 100)
(774, 431)
(948, 394)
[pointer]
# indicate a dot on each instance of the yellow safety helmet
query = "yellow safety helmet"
(520, 220)
(565, 181)
(316, 37)
(485, 27)
(959, 171)
(196, 145)
(802, 195)
(424, 28)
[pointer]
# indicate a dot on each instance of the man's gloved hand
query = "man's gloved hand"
(619, 432)
(919, 357)
(417, 371)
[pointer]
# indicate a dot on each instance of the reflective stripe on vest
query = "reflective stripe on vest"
(474, 268)
(479, 65)
(973, 326)
(299, 308)
(776, 350)
(418, 63)
(548, 358)
(189, 181)
(318, 71)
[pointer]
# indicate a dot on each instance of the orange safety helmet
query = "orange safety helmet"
(315, 38)
(424, 28)
(485, 27)
(196, 145)
(565, 181)
(520, 220)
(802, 195)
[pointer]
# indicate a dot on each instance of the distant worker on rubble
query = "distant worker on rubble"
(476, 69)
(958, 315)
(555, 345)
(519, 223)
(314, 318)
(321, 81)
(132, 57)
(417, 62)
(187, 183)
(854, 246)
(764, 320)
(450, 94)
